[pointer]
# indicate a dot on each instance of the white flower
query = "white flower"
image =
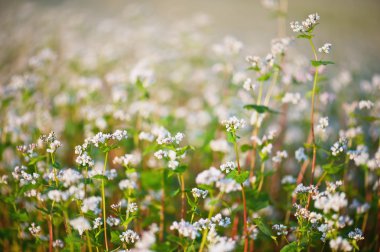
(281, 229)
(300, 154)
(306, 25)
(132, 207)
(356, 235)
(209, 176)
(34, 230)
(365, 104)
(127, 184)
(129, 236)
(198, 193)
(293, 98)
(81, 224)
(91, 204)
(288, 179)
(327, 202)
(325, 48)
(339, 147)
(323, 123)
(57, 195)
(340, 244)
(233, 124)
(227, 167)
(69, 177)
(279, 156)
(185, 229)
(220, 145)
(112, 221)
(97, 223)
(230, 46)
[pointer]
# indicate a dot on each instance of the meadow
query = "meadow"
(133, 136)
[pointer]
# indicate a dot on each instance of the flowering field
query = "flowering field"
(135, 137)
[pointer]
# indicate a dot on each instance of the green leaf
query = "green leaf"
(115, 237)
(264, 77)
(246, 147)
(317, 63)
(257, 200)
(264, 228)
(260, 108)
(231, 137)
(305, 36)
(333, 168)
(100, 176)
(238, 177)
(291, 247)
(191, 202)
(180, 169)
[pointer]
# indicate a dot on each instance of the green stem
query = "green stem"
(210, 213)
(245, 227)
(313, 163)
(104, 203)
(262, 167)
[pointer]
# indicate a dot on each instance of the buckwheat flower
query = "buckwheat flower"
(229, 46)
(254, 61)
(365, 104)
(132, 207)
(227, 185)
(148, 239)
(57, 195)
(127, 160)
(301, 212)
(233, 124)
(293, 98)
(340, 244)
(3, 179)
(58, 244)
(223, 222)
(267, 149)
(34, 230)
(330, 202)
(315, 217)
(218, 243)
(325, 48)
(279, 46)
(53, 146)
(248, 85)
(305, 189)
(69, 177)
(360, 155)
(119, 135)
(356, 235)
(288, 179)
(185, 229)
(323, 123)
(160, 154)
(127, 184)
(296, 27)
(81, 224)
(84, 160)
(279, 156)
(116, 206)
(339, 147)
(91, 204)
(198, 193)
(360, 208)
(220, 145)
(172, 164)
(281, 229)
(208, 177)
(113, 221)
(129, 236)
(300, 155)
(98, 222)
(146, 136)
(227, 167)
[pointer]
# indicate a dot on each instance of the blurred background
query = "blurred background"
(353, 27)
